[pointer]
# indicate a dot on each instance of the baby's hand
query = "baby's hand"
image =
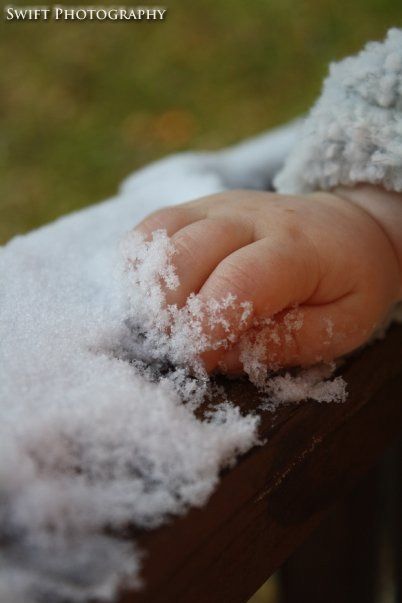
(320, 253)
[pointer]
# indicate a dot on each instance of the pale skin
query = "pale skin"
(335, 256)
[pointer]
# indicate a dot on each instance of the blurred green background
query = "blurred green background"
(83, 104)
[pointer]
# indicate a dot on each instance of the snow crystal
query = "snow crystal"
(99, 381)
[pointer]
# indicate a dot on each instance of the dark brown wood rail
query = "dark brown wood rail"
(270, 502)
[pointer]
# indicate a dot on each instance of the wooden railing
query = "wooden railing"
(276, 496)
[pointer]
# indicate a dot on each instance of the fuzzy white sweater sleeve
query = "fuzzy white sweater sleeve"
(354, 131)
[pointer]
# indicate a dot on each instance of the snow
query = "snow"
(99, 382)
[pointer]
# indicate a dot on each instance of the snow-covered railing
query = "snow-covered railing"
(278, 493)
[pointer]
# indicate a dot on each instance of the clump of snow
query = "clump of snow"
(99, 382)
(314, 383)
(97, 422)
(255, 350)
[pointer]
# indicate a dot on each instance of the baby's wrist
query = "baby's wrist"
(385, 207)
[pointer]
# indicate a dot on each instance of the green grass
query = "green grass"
(83, 104)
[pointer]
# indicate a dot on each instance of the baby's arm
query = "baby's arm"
(336, 257)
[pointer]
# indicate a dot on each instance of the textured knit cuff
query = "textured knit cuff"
(354, 131)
